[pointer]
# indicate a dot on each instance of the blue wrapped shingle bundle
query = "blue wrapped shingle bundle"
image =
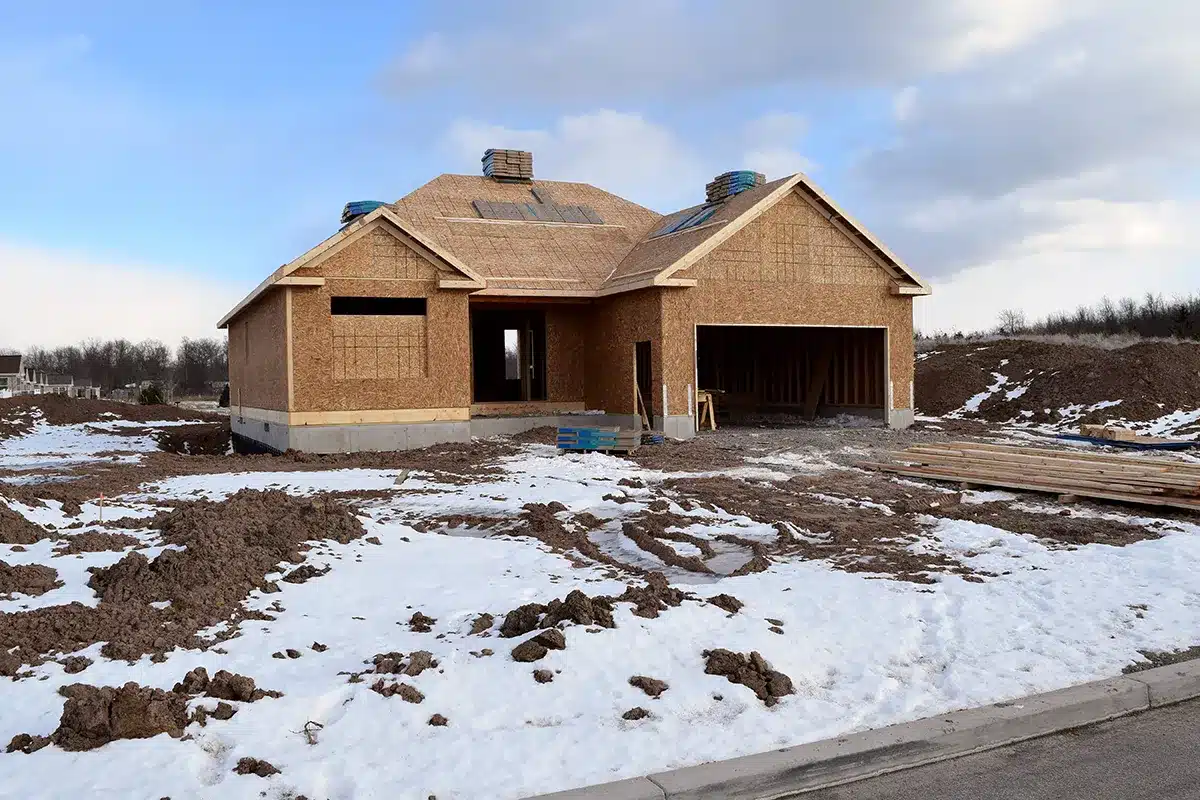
(358, 208)
(728, 184)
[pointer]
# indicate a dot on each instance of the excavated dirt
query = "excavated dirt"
(852, 539)
(700, 454)
(751, 671)
(255, 766)
(209, 439)
(539, 521)
(546, 434)
(95, 542)
(726, 602)
(1150, 379)
(55, 409)
(649, 531)
(635, 714)
(27, 579)
(229, 547)
(651, 686)
(15, 529)
(93, 716)
(1061, 528)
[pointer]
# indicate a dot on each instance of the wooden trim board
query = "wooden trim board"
(399, 416)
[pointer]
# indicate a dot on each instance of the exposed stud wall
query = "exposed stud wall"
(257, 358)
(617, 323)
(764, 275)
(565, 352)
(429, 367)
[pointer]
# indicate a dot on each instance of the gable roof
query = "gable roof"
(511, 257)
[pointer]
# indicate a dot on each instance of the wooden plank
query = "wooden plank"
(918, 472)
(1049, 472)
(1074, 453)
(1156, 473)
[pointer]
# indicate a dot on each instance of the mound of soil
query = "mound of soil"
(689, 455)
(95, 542)
(546, 434)
(255, 766)
(1150, 379)
(59, 410)
(208, 439)
(229, 547)
(15, 529)
(93, 716)
(27, 579)
(751, 671)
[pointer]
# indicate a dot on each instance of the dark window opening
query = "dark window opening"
(508, 355)
(377, 306)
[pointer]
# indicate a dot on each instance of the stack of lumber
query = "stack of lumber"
(1108, 432)
(1148, 481)
(1123, 437)
(508, 164)
(603, 439)
(358, 208)
(730, 183)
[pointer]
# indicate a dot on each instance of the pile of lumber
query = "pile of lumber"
(1067, 473)
(606, 440)
(1108, 432)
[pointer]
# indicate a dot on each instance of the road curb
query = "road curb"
(778, 774)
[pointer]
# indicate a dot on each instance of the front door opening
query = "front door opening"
(766, 373)
(641, 364)
(508, 355)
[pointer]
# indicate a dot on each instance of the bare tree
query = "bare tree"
(1012, 322)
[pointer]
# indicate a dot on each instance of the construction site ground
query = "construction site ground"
(496, 620)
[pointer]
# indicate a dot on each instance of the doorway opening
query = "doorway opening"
(508, 355)
(641, 370)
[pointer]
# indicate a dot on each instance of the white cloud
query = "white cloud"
(56, 298)
(636, 158)
(1093, 249)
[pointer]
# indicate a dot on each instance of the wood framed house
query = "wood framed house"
(496, 303)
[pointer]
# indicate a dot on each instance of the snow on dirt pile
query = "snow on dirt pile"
(20, 414)
(1153, 385)
(216, 554)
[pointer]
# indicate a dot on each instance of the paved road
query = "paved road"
(1155, 754)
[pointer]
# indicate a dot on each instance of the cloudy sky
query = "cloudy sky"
(157, 160)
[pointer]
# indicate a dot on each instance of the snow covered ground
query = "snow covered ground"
(862, 651)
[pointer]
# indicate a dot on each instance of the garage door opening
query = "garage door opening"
(791, 372)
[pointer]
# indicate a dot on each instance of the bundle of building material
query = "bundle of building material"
(358, 208)
(516, 165)
(1148, 481)
(730, 183)
(603, 439)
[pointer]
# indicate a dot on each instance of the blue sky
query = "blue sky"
(188, 148)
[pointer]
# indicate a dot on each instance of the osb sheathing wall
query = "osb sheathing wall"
(790, 266)
(257, 354)
(356, 363)
(616, 323)
(565, 352)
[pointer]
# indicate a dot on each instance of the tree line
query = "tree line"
(190, 369)
(1152, 317)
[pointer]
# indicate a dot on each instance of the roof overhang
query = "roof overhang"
(469, 279)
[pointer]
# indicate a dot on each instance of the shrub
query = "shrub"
(152, 395)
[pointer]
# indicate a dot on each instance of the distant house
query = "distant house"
(60, 384)
(86, 389)
(492, 303)
(11, 374)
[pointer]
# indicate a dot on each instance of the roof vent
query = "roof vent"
(727, 184)
(508, 165)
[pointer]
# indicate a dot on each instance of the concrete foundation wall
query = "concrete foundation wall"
(901, 418)
(674, 426)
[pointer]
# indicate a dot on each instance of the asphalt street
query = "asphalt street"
(1155, 754)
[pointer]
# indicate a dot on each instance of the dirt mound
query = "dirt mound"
(255, 766)
(15, 529)
(649, 530)
(1062, 528)
(208, 439)
(546, 434)
(229, 547)
(651, 686)
(1150, 379)
(96, 715)
(59, 410)
(27, 579)
(95, 542)
(751, 671)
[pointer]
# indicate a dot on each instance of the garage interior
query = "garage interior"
(795, 371)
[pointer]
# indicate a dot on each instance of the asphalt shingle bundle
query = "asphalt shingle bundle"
(730, 183)
(508, 164)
